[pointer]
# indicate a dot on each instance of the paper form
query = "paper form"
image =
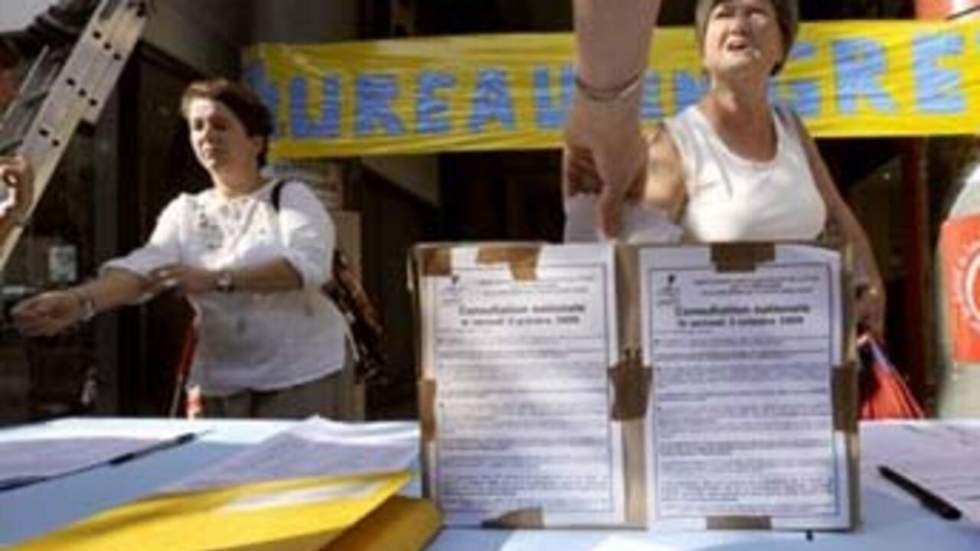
(54, 452)
(941, 458)
(741, 423)
(522, 407)
(314, 447)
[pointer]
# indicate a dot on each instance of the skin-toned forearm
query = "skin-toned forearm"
(52, 312)
(838, 209)
(605, 150)
(269, 277)
(112, 289)
(613, 40)
(858, 238)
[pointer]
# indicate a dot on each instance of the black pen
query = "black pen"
(18, 482)
(163, 445)
(928, 499)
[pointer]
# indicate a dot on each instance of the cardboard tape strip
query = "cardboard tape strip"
(531, 517)
(739, 523)
(844, 386)
(631, 388)
(741, 257)
(635, 487)
(523, 261)
(427, 409)
(435, 261)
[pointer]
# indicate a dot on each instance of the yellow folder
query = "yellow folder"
(400, 524)
(284, 515)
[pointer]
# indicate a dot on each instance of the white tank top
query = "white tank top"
(730, 198)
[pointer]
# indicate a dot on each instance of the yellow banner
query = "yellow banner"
(489, 92)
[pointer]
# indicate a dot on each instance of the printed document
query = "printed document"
(522, 403)
(741, 423)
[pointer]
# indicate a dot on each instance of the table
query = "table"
(892, 520)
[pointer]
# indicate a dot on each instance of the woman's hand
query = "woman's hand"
(48, 313)
(605, 153)
(184, 278)
(870, 308)
(17, 183)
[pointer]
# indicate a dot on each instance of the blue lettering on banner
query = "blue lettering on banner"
(432, 111)
(492, 101)
(374, 96)
(255, 77)
(652, 107)
(547, 115)
(859, 62)
(302, 126)
(937, 90)
(802, 94)
(688, 88)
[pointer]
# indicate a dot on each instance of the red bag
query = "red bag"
(884, 394)
(181, 402)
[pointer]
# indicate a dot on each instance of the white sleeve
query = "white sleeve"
(640, 224)
(308, 234)
(161, 249)
(580, 218)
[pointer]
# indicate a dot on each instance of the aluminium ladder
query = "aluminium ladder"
(66, 84)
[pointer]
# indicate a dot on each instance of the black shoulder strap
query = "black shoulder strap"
(277, 193)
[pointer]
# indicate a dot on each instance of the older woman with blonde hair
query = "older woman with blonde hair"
(732, 167)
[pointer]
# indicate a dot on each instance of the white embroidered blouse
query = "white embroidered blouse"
(249, 340)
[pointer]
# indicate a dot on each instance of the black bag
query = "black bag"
(363, 319)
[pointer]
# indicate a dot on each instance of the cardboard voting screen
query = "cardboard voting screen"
(548, 386)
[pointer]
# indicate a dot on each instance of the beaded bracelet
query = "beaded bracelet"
(609, 95)
(87, 304)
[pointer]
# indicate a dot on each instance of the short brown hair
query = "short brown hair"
(787, 16)
(240, 100)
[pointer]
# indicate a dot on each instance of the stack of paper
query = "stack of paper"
(940, 459)
(298, 490)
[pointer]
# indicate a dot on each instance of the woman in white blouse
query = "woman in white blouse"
(270, 344)
(730, 168)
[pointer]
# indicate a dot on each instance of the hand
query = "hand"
(17, 181)
(605, 153)
(48, 313)
(184, 278)
(870, 309)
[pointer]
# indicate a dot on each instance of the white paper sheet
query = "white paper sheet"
(315, 447)
(942, 459)
(522, 406)
(57, 452)
(742, 417)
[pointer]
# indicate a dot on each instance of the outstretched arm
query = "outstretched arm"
(605, 151)
(54, 311)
